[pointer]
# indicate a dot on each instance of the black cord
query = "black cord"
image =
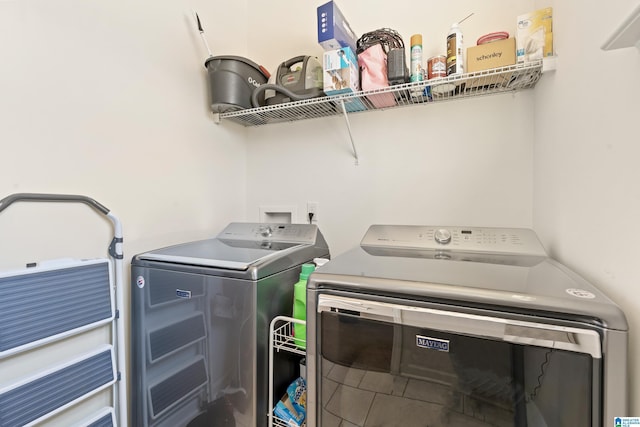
(388, 38)
(543, 367)
(310, 217)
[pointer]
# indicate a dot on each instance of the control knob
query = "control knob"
(266, 231)
(442, 236)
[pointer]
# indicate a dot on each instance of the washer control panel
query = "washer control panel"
(298, 233)
(442, 236)
(516, 241)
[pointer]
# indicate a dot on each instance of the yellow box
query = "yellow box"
(534, 35)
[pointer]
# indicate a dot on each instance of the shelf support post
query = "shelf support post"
(346, 119)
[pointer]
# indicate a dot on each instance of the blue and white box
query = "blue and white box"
(341, 75)
(340, 71)
(334, 31)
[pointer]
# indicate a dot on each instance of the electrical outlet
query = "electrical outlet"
(312, 212)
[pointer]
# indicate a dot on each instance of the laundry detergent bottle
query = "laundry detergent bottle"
(300, 306)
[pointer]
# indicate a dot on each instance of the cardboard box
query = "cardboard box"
(501, 53)
(334, 31)
(534, 35)
(496, 54)
(340, 71)
(341, 75)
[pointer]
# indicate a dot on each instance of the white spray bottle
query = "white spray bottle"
(455, 49)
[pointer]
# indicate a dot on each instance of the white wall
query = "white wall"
(412, 170)
(108, 99)
(463, 162)
(586, 197)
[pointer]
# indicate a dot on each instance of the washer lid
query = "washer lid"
(220, 253)
(239, 246)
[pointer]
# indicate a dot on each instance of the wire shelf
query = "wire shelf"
(283, 336)
(274, 420)
(282, 423)
(489, 82)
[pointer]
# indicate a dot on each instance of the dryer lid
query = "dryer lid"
(487, 266)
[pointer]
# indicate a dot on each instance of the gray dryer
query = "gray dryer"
(460, 326)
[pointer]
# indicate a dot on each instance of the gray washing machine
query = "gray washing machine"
(200, 324)
(460, 326)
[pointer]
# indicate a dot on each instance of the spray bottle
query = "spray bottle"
(416, 58)
(455, 49)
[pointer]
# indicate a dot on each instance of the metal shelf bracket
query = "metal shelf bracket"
(627, 34)
(346, 119)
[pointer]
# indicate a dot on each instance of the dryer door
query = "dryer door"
(388, 364)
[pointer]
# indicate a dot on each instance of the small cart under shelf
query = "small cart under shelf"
(281, 338)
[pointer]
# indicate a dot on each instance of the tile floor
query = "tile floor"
(358, 398)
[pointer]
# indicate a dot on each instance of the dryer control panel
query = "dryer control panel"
(515, 241)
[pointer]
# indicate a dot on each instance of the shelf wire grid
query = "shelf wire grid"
(282, 423)
(283, 336)
(488, 82)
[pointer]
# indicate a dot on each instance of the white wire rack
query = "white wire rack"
(488, 82)
(281, 338)
(279, 422)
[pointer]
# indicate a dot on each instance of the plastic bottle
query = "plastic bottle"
(416, 58)
(300, 305)
(455, 51)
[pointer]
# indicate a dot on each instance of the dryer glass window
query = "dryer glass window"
(380, 373)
